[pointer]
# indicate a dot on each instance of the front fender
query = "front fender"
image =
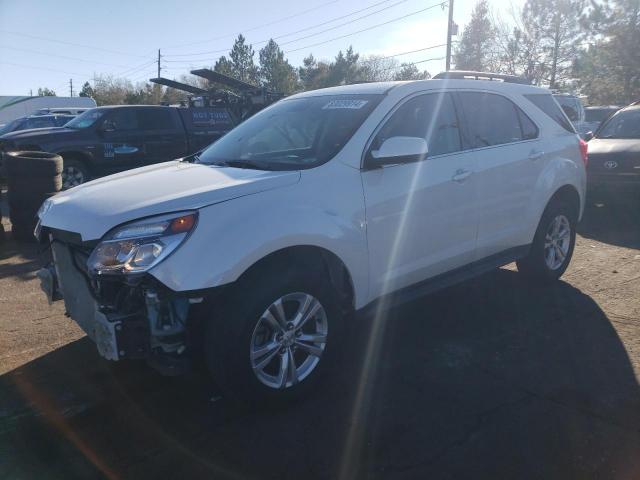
(232, 236)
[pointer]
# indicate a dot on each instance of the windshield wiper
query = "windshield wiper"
(250, 164)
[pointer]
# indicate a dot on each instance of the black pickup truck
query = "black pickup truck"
(106, 140)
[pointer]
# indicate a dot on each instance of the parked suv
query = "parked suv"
(256, 250)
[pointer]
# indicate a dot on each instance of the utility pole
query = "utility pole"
(159, 63)
(71, 86)
(31, 92)
(449, 33)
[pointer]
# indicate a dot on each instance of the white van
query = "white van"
(17, 107)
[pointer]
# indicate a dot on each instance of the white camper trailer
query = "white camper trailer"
(16, 107)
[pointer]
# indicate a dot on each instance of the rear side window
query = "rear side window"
(494, 120)
(155, 119)
(548, 105)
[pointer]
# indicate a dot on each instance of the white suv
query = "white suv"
(256, 250)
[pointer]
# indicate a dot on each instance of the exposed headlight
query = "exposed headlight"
(138, 246)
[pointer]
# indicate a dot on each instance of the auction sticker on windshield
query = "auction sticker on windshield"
(350, 104)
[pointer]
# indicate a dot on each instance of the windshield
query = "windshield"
(623, 125)
(86, 119)
(11, 126)
(293, 134)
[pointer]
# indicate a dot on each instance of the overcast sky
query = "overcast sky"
(44, 43)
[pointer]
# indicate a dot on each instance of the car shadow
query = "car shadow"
(493, 378)
(612, 218)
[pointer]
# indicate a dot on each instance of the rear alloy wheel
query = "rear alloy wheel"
(552, 245)
(288, 340)
(74, 173)
(557, 242)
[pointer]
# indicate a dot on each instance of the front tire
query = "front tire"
(74, 173)
(275, 336)
(552, 245)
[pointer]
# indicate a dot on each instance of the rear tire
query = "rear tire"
(552, 245)
(242, 337)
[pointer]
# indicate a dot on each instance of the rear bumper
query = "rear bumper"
(627, 181)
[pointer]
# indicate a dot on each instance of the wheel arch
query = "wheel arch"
(84, 157)
(568, 194)
(311, 256)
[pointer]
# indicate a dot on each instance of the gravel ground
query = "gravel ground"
(490, 379)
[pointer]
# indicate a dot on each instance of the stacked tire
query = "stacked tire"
(32, 177)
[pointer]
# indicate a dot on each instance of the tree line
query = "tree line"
(586, 47)
(270, 69)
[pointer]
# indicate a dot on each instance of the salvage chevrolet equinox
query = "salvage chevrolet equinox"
(254, 253)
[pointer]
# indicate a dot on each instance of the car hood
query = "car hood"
(32, 133)
(94, 208)
(614, 156)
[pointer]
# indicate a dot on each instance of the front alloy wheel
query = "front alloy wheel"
(288, 340)
(72, 177)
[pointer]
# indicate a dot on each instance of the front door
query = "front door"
(122, 144)
(421, 216)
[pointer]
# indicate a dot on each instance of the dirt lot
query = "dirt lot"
(490, 379)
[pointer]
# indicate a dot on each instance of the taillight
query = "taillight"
(584, 151)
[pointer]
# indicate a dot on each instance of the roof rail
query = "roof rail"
(469, 75)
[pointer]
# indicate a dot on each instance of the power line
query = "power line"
(404, 53)
(368, 28)
(305, 29)
(61, 56)
(41, 68)
(128, 54)
(258, 26)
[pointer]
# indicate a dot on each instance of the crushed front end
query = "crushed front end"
(125, 311)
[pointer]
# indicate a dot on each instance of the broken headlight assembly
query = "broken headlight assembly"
(138, 246)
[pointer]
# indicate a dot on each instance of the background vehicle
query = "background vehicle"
(61, 111)
(257, 248)
(35, 121)
(614, 152)
(12, 108)
(594, 116)
(111, 139)
(573, 108)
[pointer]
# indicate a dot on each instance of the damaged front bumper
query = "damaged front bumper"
(127, 317)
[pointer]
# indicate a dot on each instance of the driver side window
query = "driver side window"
(432, 117)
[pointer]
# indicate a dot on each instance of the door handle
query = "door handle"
(535, 154)
(461, 175)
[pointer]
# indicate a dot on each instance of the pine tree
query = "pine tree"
(86, 90)
(243, 67)
(476, 48)
(276, 72)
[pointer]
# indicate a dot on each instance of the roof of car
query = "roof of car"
(385, 87)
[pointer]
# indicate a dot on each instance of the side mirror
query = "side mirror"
(588, 136)
(398, 150)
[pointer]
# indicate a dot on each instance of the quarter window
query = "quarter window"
(550, 107)
(494, 120)
(432, 117)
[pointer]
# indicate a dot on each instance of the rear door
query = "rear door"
(509, 159)
(162, 133)
(421, 216)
